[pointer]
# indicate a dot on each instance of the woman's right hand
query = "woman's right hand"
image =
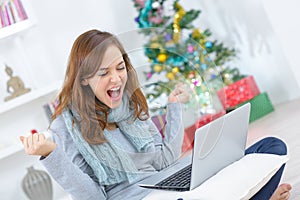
(180, 94)
(37, 144)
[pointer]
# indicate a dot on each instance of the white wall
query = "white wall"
(267, 41)
(60, 22)
(284, 17)
(246, 26)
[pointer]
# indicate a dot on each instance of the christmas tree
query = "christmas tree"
(179, 51)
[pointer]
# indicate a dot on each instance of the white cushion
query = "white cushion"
(240, 180)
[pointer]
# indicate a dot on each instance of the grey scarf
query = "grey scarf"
(110, 163)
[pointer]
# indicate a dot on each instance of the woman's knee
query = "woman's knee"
(276, 146)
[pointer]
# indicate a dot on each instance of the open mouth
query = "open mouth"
(114, 93)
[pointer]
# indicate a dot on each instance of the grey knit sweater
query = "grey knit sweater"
(69, 169)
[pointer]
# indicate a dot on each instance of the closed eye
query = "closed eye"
(104, 71)
(101, 73)
(121, 67)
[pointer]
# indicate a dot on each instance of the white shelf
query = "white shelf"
(7, 151)
(19, 101)
(31, 96)
(15, 28)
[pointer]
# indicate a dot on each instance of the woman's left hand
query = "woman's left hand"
(179, 94)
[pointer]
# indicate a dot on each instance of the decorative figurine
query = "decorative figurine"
(15, 85)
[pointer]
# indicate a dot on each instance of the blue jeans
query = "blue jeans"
(269, 145)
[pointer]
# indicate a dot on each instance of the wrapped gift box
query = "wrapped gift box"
(238, 92)
(209, 117)
(160, 123)
(188, 141)
(260, 106)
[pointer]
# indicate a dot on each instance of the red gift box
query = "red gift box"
(188, 140)
(238, 92)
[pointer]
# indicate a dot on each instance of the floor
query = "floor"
(284, 123)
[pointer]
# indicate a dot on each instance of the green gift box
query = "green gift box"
(260, 106)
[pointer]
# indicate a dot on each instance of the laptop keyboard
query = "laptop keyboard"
(179, 180)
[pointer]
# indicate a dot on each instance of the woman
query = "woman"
(103, 140)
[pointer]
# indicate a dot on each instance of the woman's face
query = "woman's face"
(109, 82)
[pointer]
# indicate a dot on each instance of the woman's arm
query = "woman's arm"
(68, 168)
(169, 149)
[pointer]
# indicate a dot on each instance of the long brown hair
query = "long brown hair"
(84, 61)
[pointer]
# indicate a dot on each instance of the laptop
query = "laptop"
(216, 145)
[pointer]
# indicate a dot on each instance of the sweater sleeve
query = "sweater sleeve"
(69, 169)
(168, 149)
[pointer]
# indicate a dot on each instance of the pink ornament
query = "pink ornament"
(196, 82)
(190, 49)
(140, 2)
(191, 75)
(155, 20)
(149, 75)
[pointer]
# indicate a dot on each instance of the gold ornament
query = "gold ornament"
(202, 59)
(177, 18)
(162, 57)
(157, 68)
(175, 70)
(155, 45)
(170, 76)
(227, 79)
(196, 34)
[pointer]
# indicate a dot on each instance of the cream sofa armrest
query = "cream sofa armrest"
(238, 181)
